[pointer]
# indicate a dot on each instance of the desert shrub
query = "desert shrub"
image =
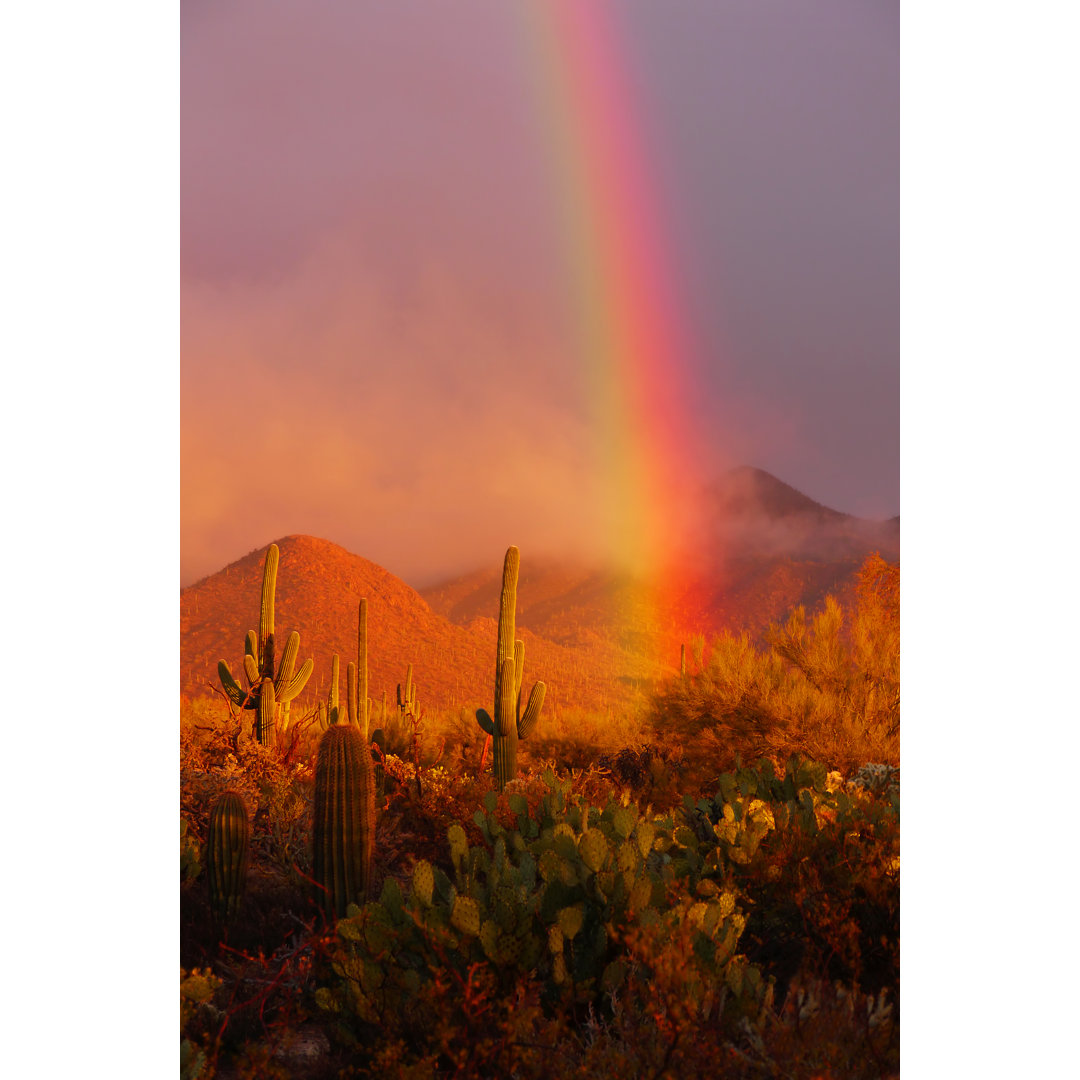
(215, 757)
(190, 852)
(198, 1019)
(825, 686)
(575, 736)
(823, 888)
(542, 900)
(557, 937)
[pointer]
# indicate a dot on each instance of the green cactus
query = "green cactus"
(226, 855)
(509, 723)
(344, 818)
(406, 695)
(259, 670)
(378, 754)
(358, 701)
(330, 710)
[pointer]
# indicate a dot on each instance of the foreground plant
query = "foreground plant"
(227, 856)
(344, 823)
(509, 723)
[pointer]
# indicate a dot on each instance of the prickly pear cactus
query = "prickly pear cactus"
(509, 722)
(226, 855)
(344, 818)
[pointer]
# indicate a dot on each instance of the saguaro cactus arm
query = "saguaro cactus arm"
(531, 715)
(266, 600)
(235, 693)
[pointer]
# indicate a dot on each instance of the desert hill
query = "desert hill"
(319, 588)
(591, 633)
(762, 549)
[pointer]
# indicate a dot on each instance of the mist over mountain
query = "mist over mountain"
(590, 631)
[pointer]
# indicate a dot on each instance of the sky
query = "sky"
(455, 276)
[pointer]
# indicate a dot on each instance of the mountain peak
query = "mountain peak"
(747, 491)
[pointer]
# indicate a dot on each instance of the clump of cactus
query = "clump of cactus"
(509, 723)
(269, 690)
(226, 855)
(344, 818)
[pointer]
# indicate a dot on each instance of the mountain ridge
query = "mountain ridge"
(590, 631)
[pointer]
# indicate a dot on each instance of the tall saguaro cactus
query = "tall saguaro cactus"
(344, 820)
(359, 704)
(268, 692)
(227, 855)
(509, 723)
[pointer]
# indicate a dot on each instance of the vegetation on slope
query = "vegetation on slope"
(640, 900)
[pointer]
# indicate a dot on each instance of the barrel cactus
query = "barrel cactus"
(226, 855)
(509, 723)
(344, 818)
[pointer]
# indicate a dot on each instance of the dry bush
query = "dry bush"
(826, 686)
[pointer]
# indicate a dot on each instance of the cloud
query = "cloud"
(420, 423)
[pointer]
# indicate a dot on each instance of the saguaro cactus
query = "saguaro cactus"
(344, 823)
(259, 671)
(330, 709)
(406, 695)
(227, 855)
(359, 704)
(509, 723)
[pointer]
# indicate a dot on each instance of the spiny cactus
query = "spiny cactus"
(406, 695)
(509, 723)
(344, 818)
(330, 710)
(226, 855)
(358, 701)
(259, 671)
(378, 755)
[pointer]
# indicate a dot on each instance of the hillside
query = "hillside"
(318, 591)
(590, 633)
(763, 548)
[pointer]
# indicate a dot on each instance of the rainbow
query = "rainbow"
(630, 331)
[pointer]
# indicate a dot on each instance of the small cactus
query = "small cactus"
(226, 855)
(330, 710)
(509, 723)
(344, 818)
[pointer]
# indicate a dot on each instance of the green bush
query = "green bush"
(546, 895)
